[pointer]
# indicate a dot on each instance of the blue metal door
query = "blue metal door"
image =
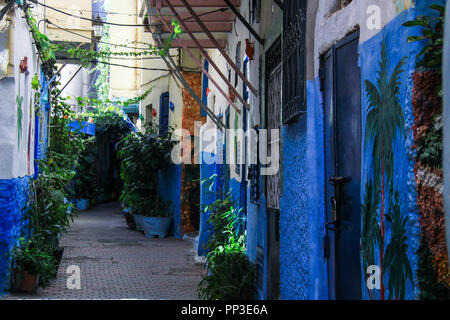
(341, 78)
(164, 113)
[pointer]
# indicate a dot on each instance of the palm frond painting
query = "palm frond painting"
(396, 261)
(384, 122)
(371, 233)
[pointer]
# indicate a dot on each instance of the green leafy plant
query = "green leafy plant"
(433, 34)
(430, 288)
(430, 147)
(143, 156)
(148, 209)
(48, 212)
(85, 180)
(35, 258)
(233, 277)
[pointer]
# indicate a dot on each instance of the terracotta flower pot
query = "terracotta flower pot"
(26, 282)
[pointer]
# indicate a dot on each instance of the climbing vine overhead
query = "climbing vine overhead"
(43, 44)
(385, 121)
(48, 49)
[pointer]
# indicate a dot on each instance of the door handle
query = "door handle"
(334, 180)
(334, 214)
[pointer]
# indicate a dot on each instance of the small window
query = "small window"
(164, 113)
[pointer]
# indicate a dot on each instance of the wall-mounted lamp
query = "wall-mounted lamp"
(98, 25)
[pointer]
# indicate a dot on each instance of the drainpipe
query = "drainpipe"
(446, 80)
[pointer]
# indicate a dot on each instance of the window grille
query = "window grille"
(294, 59)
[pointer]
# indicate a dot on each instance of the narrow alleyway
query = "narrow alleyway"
(118, 263)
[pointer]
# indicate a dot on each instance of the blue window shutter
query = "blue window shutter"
(205, 87)
(246, 95)
(164, 113)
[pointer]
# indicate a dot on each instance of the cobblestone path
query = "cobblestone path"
(118, 263)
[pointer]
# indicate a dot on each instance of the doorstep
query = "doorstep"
(193, 237)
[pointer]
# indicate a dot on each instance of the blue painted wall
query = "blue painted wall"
(206, 198)
(303, 271)
(302, 267)
(404, 155)
(257, 237)
(170, 190)
(13, 198)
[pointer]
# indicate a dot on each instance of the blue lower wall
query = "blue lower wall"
(206, 198)
(170, 190)
(302, 267)
(13, 198)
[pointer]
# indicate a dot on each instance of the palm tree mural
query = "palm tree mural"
(384, 121)
(396, 260)
(371, 233)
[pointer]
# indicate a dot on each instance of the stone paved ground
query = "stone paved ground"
(118, 263)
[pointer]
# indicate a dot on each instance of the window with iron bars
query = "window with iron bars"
(294, 59)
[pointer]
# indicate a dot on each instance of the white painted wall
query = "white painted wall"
(332, 26)
(77, 87)
(15, 44)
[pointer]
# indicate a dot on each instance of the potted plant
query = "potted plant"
(85, 181)
(129, 218)
(157, 220)
(143, 156)
(31, 261)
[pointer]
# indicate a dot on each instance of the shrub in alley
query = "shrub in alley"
(231, 276)
(48, 211)
(143, 156)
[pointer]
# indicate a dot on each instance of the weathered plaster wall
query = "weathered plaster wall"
(332, 26)
(191, 113)
(303, 268)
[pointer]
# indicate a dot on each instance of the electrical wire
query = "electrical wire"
(99, 11)
(120, 24)
(136, 14)
(78, 34)
(88, 19)
(94, 40)
(121, 65)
